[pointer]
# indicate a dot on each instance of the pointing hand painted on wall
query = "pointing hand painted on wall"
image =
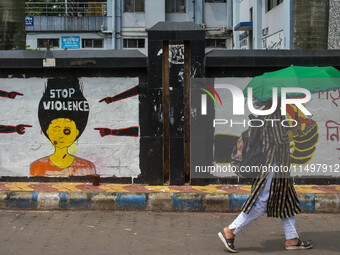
(130, 131)
(63, 114)
(10, 95)
(126, 94)
(20, 129)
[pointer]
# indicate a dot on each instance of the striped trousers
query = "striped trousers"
(259, 208)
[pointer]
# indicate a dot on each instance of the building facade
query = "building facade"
(120, 24)
(262, 24)
(286, 24)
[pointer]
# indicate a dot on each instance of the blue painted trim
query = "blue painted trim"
(180, 204)
(130, 201)
(63, 200)
(236, 201)
(308, 204)
(243, 25)
(79, 203)
(34, 198)
(66, 202)
(19, 202)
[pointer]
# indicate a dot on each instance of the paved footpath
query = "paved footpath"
(153, 233)
(210, 198)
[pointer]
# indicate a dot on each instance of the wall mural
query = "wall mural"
(308, 146)
(63, 114)
(304, 143)
(65, 122)
(10, 95)
(19, 129)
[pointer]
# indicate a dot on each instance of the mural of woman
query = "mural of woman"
(63, 114)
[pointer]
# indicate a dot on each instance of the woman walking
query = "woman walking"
(273, 191)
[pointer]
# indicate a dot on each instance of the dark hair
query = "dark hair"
(67, 94)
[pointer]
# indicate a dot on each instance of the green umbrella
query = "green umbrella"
(314, 79)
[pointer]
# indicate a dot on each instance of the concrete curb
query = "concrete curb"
(156, 201)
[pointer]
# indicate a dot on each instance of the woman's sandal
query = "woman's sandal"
(230, 247)
(306, 245)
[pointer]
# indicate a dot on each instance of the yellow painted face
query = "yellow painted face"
(62, 132)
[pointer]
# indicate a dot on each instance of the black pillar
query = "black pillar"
(177, 34)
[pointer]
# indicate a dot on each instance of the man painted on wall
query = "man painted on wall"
(63, 114)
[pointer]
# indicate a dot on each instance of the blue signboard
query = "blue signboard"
(29, 20)
(70, 42)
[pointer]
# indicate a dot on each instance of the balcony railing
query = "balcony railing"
(66, 8)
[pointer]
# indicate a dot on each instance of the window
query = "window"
(92, 43)
(270, 4)
(133, 5)
(175, 6)
(215, 1)
(48, 43)
(133, 43)
(215, 43)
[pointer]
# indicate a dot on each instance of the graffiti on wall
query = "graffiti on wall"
(333, 95)
(63, 114)
(332, 128)
(274, 41)
(126, 94)
(318, 132)
(19, 129)
(10, 95)
(243, 38)
(64, 122)
(176, 54)
(305, 141)
(130, 131)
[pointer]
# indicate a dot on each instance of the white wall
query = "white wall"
(155, 12)
(277, 20)
(133, 20)
(216, 14)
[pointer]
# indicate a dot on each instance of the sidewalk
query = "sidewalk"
(211, 198)
(152, 233)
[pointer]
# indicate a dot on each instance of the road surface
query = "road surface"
(119, 232)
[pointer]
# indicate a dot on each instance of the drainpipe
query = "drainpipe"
(231, 20)
(194, 11)
(291, 25)
(113, 11)
(203, 12)
(118, 23)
